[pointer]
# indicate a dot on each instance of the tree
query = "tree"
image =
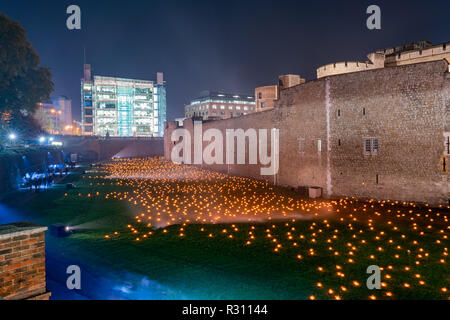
(23, 83)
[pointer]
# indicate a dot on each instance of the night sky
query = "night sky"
(231, 46)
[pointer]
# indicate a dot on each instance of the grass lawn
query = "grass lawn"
(301, 250)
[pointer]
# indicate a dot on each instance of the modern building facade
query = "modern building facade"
(217, 105)
(120, 107)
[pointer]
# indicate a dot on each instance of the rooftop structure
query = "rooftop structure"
(266, 96)
(218, 105)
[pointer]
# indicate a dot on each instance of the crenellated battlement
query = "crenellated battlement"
(441, 51)
(342, 67)
(376, 61)
(419, 52)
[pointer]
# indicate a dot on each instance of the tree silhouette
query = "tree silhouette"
(23, 83)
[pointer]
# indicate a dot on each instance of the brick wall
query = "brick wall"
(22, 262)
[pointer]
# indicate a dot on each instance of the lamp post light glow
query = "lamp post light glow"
(12, 136)
(60, 230)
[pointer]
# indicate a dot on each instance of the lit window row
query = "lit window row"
(196, 102)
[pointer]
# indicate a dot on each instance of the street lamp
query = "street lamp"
(42, 139)
(12, 137)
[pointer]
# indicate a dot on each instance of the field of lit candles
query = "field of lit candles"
(207, 235)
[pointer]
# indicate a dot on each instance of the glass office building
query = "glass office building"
(121, 107)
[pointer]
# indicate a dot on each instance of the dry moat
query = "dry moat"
(150, 229)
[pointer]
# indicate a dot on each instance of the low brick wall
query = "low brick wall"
(95, 148)
(22, 262)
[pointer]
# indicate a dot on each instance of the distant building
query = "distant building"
(65, 105)
(75, 128)
(217, 105)
(121, 107)
(55, 115)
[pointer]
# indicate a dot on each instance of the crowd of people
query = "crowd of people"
(42, 180)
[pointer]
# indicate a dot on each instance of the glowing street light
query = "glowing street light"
(42, 139)
(12, 136)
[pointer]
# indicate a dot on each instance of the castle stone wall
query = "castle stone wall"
(324, 125)
(406, 109)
